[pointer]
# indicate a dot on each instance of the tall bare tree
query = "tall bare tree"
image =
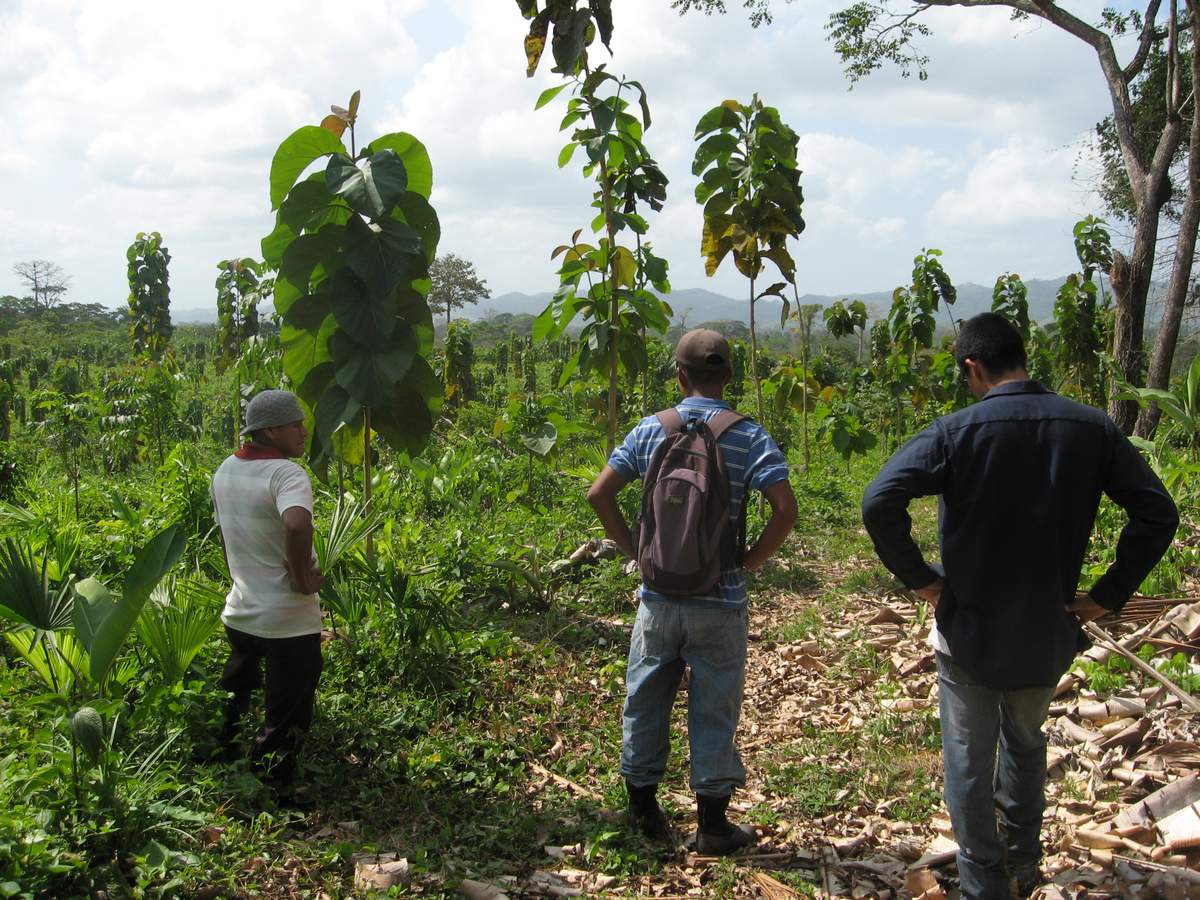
(46, 280)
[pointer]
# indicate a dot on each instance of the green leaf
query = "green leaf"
(542, 442)
(304, 351)
(307, 252)
(313, 386)
(93, 604)
(297, 153)
(371, 188)
(717, 118)
(149, 566)
(404, 424)
(367, 317)
(422, 379)
(368, 375)
(334, 409)
(569, 39)
(303, 201)
(412, 308)
(564, 155)
(310, 311)
(382, 254)
(549, 94)
(25, 594)
(275, 243)
(415, 211)
(414, 156)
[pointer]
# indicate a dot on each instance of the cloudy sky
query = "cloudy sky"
(123, 117)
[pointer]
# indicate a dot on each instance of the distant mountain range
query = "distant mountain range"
(698, 305)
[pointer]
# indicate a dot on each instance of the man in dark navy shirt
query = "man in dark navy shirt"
(1020, 477)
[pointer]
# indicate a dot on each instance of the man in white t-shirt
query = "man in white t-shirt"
(263, 503)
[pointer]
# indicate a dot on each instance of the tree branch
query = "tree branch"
(1149, 37)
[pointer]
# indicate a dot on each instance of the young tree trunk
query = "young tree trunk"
(614, 309)
(367, 477)
(754, 357)
(1130, 278)
(1181, 271)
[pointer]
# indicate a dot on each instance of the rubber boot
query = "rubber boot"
(717, 836)
(645, 815)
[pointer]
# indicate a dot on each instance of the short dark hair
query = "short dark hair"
(706, 379)
(992, 341)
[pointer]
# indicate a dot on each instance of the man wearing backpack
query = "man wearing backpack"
(697, 461)
(1020, 475)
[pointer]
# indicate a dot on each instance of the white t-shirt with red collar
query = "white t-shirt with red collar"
(250, 497)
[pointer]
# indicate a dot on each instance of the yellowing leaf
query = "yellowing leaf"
(333, 123)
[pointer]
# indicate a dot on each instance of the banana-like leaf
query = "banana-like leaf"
(93, 604)
(149, 566)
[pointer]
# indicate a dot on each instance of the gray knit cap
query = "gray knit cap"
(269, 409)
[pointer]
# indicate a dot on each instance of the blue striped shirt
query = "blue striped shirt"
(752, 459)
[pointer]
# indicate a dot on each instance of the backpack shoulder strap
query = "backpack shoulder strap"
(723, 421)
(670, 420)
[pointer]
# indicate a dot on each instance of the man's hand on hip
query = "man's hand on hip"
(931, 593)
(1085, 609)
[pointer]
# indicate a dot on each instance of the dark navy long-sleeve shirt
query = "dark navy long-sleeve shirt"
(1020, 475)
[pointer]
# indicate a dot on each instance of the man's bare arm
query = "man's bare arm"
(304, 574)
(779, 526)
(602, 495)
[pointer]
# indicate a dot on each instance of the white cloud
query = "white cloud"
(1019, 182)
(123, 121)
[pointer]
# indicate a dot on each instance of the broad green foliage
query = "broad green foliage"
(460, 355)
(353, 243)
(1180, 407)
(750, 190)
(1080, 316)
(845, 319)
(617, 304)
(750, 187)
(237, 307)
(76, 630)
(149, 294)
(1010, 298)
(570, 30)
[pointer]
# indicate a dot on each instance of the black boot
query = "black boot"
(645, 815)
(716, 836)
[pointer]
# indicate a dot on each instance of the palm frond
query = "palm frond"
(56, 658)
(351, 523)
(180, 617)
(25, 592)
(594, 457)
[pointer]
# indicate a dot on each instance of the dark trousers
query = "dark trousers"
(293, 669)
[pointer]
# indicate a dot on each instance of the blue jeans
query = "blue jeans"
(667, 635)
(995, 799)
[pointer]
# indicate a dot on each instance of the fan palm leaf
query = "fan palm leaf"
(25, 593)
(179, 619)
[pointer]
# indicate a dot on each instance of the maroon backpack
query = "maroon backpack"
(684, 534)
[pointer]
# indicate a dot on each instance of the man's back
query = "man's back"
(250, 496)
(1020, 475)
(752, 459)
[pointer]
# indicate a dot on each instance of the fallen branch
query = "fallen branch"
(1105, 638)
(563, 781)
